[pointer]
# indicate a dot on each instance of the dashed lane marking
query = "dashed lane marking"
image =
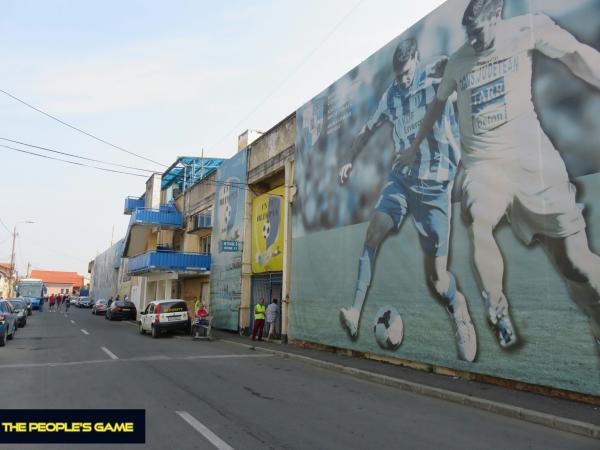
(109, 353)
(204, 431)
(84, 332)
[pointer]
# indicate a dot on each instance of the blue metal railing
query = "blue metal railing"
(133, 203)
(168, 261)
(166, 216)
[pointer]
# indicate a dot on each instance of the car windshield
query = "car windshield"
(101, 302)
(121, 304)
(172, 307)
(17, 304)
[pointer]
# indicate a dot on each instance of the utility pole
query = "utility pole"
(12, 257)
(28, 268)
(12, 263)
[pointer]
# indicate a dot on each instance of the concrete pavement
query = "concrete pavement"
(194, 392)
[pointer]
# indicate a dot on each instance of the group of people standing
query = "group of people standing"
(262, 312)
(56, 301)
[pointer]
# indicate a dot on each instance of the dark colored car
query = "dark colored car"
(121, 310)
(20, 308)
(8, 322)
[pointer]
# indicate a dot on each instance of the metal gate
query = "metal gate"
(267, 286)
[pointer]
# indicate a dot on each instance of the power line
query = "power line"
(79, 129)
(76, 156)
(5, 227)
(73, 162)
(304, 61)
(232, 184)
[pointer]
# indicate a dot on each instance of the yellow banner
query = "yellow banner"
(267, 232)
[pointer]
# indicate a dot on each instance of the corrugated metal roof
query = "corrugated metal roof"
(186, 171)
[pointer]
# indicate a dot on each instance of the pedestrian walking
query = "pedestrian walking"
(272, 314)
(51, 303)
(110, 300)
(67, 304)
(259, 320)
(59, 299)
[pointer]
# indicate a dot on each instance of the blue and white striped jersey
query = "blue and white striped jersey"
(439, 153)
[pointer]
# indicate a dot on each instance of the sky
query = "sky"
(160, 79)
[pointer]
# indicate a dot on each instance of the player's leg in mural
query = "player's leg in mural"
(380, 225)
(581, 269)
(431, 212)
(486, 198)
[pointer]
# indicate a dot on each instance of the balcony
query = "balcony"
(133, 203)
(169, 261)
(166, 217)
(142, 223)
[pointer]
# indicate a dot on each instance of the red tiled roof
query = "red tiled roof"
(5, 268)
(50, 276)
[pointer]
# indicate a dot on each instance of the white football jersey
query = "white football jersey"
(497, 118)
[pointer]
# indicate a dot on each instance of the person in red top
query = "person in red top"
(51, 303)
(201, 323)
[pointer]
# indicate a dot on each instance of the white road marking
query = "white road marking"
(72, 321)
(200, 428)
(84, 332)
(109, 353)
(120, 360)
(260, 355)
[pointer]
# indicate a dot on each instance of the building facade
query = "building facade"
(57, 282)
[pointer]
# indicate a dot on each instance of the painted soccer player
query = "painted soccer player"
(511, 166)
(422, 188)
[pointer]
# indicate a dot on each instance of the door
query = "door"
(148, 318)
(268, 287)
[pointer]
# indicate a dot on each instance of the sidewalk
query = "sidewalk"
(565, 415)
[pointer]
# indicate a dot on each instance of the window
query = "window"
(205, 244)
(175, 306)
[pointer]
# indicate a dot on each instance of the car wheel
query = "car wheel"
(12, 335)
(155, 332)
(3, 340)
(142, 331)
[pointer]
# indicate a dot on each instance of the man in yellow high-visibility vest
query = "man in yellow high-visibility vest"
(259, 319)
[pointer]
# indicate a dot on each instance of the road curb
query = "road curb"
(504, 409)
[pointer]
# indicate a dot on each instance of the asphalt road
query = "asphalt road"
(207, 395)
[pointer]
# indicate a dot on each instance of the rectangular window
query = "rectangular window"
(205, 244)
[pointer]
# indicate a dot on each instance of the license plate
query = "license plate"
(125, 309)
(173, 317)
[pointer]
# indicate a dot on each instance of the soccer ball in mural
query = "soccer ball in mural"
(388, 328)
(266, 230)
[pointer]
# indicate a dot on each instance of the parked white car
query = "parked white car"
(165, 315)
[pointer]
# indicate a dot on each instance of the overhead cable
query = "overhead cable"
(73, 162)
(290, 75)
(76, 156)
(79, 129)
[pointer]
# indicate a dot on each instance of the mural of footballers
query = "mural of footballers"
(512, 167)
(421, 188)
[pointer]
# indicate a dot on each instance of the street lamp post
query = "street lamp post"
(12, 258)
